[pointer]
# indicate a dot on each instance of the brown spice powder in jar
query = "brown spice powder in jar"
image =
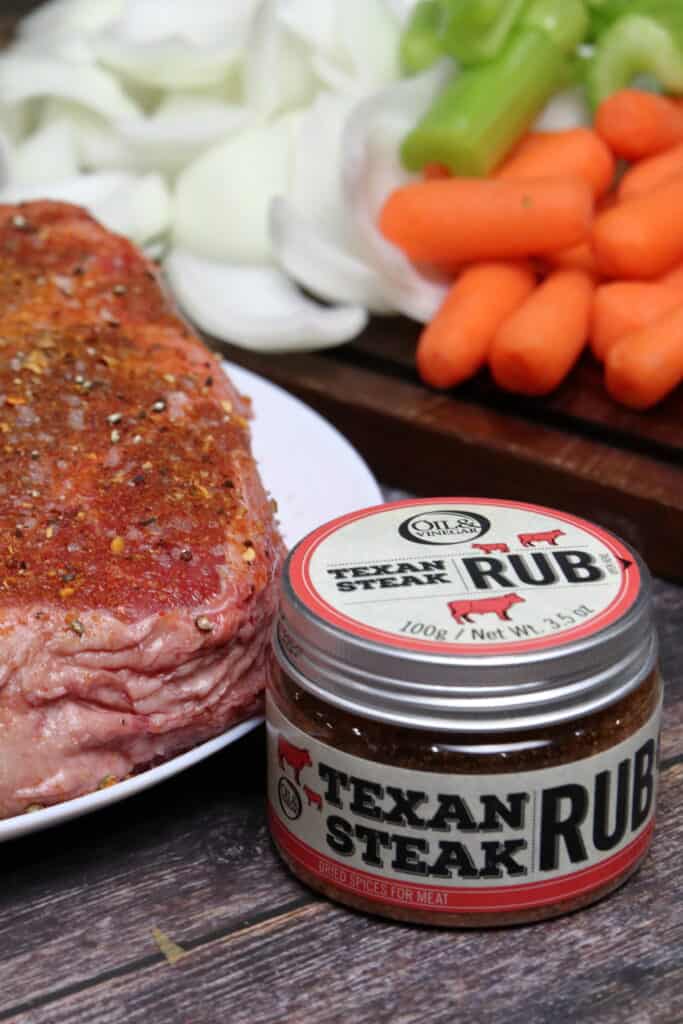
(462, 774)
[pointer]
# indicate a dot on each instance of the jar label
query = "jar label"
(460, 843)
(463, 575)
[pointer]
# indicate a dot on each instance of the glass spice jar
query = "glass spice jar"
(464, 728)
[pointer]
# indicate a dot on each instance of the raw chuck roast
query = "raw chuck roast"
(139, 554)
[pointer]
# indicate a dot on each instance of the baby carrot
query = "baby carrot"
(576, 153)
(642, 368)
(472, 219)
(623, 307)
(454, 346)
(576, 257)
(674, 279)
(649, 174)
(642, 237)
(537, 346)
(637, 124)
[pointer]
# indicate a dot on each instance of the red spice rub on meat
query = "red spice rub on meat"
(138, 550)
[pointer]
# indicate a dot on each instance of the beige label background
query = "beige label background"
(311, 828)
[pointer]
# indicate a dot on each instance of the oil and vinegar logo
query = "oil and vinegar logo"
(444, 526)
(290, 801)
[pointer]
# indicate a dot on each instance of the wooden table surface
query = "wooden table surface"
(192, 858)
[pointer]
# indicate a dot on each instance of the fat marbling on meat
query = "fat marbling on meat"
(139, 553)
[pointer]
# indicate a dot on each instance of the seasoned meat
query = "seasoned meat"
(138, 550)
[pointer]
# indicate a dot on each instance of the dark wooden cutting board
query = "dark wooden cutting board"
(576, 450)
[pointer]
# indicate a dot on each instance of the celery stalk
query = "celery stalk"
(482, 112)
(565, 23)
(421, 43)
(637, 45)
(610, 10)
(607, 12)
(476, 30)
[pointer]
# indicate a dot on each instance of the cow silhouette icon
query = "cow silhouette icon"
(527, 540)
(297, 758)
(462, 610)
(312, 798)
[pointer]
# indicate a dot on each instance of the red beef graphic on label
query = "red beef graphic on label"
(313, 798)
(461, 610)
(527, 540)
(488, 548)
(296, 757)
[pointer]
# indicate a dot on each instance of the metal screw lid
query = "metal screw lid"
(479, 628)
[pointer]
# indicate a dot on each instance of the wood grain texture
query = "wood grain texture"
(668, 601)
(580, 403)
(619, 961)
(186, 857)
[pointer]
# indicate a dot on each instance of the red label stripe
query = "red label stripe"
(458, 899)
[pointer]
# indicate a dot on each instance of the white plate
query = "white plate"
(307, 465)
(315, 475)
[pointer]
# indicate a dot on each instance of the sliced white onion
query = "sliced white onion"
(5, 159)
(83, 189)
(224, 98)
(316, 236)
(402, 9)
(103, 149)
(99, 145)
(364, 54)
(257, 307)
(372, 169)
(17, 119)
(277, 73)
(335, 77)
(321, 264)
(368, 34)
(309, 229)
(69, 48)
(316, 185)
(311, 21)
(168, 64)
(188, 45)
(200, 116)
(62, 29)
(72, 17)
(197, 22)
(138, 207)
(183, 126)
(141, 209)
(221, 201)
(567, 109)
(49, 154)
(24, 77)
